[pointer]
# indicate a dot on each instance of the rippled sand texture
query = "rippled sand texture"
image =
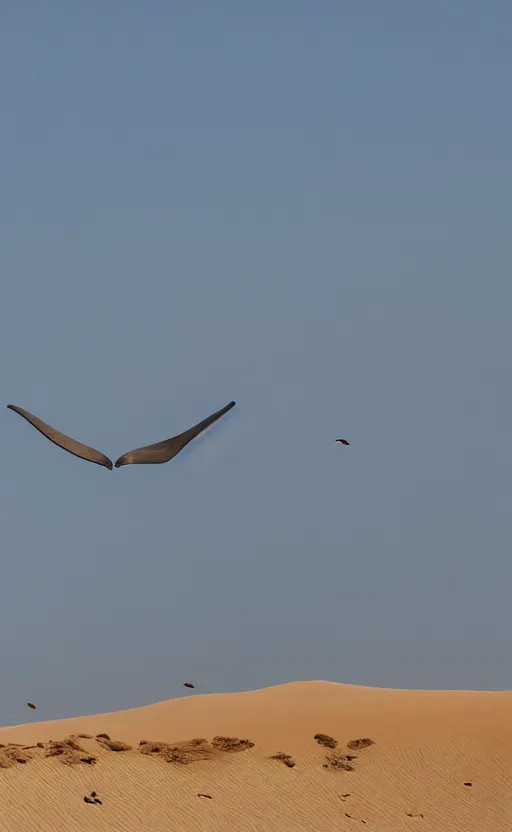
(312, 756)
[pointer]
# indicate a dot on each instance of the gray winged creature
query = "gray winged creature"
(148, 455)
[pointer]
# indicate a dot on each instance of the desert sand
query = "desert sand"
(384, 760)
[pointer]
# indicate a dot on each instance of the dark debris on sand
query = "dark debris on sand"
(363, 742)
(339, 762)
(326, 740)
(93, 798)
(284, 758)
(190, 751)
(231, 744)
(113, 745)
(70, 752)
(12, 754)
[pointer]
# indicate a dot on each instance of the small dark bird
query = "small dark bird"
(31, 705)
(154, 454)
(188, 685)
(342, 442)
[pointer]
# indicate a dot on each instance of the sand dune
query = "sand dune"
(385, 760)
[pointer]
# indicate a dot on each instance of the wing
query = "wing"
(63, 441)
(164, 451)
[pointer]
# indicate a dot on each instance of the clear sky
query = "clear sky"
(304, 207)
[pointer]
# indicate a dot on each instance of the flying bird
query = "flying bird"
(342, 442)
(31, 705)
(155, 454)
(188, 685)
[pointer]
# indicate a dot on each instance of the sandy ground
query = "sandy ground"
(438, 760)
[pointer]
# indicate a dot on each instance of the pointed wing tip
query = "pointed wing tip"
(63, 441)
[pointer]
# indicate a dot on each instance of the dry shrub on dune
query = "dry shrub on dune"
(339, 762)
(231, 744)
(188, 751)
(192, 751)
(283, 758)
(363, 742)
(69, 751)
(12, 754)
(113, 745)
(326, 740)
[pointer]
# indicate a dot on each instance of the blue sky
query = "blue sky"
(302, 207)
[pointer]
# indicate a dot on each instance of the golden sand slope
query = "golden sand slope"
(190, 773)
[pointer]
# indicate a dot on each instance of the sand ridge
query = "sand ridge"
(302, 756)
